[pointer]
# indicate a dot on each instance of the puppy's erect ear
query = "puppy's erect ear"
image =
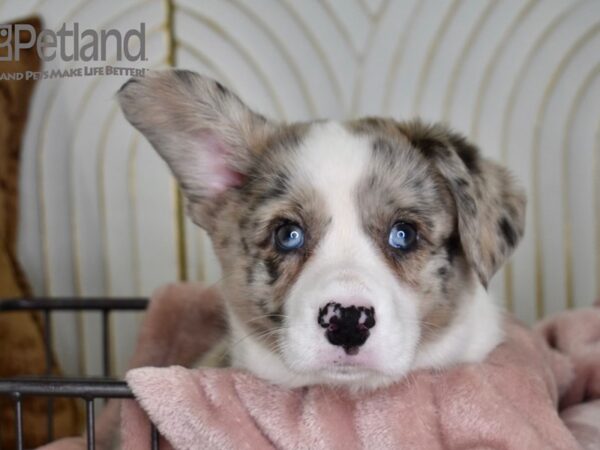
(490, 205)
(204, 132)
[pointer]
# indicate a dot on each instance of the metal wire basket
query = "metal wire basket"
(87, 389)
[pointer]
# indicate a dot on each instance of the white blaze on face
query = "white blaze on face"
(346, 268)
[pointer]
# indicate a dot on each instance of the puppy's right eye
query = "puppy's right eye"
(403, 236)
(289, 237)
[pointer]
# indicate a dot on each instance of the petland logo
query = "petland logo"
(69, 44)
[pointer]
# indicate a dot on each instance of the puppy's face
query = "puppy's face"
(348, 250)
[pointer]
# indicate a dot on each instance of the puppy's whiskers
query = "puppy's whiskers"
(259, 335)
(265, 316)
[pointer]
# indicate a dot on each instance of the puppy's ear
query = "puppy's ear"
(204, 132)
(490, 205)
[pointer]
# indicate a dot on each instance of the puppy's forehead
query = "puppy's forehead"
(349, 174)
(332, 160)
(342, 161)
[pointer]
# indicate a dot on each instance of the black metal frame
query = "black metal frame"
(87, 389)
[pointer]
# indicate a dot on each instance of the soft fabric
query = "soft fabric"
(511, 401)
(508, 402)
(21, 333)
(577, 334)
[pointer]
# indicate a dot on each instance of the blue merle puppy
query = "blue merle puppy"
(352, 252)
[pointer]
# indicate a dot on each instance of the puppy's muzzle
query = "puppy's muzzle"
(347, 326)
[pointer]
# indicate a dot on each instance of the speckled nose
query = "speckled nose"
(347, 326)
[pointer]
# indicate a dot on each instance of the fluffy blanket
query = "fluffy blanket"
(540, 389)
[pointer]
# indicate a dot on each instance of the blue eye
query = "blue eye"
(403, 236)
(289, 237)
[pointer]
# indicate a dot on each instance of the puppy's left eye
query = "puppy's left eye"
(403, 236)
(289, 237)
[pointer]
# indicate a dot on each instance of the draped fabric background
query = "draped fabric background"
(101, 216)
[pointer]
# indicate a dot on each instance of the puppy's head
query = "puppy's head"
(347, 248)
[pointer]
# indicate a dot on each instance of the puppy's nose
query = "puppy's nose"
(347, 326)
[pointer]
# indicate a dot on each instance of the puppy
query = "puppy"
(352, 253)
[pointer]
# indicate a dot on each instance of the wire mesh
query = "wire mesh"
(87, 389)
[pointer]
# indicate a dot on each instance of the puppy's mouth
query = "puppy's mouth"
(349, 373)
(350, 369)
(342, 364)
(342, 375)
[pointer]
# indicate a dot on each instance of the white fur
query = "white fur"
(475, 331)
(347, 268)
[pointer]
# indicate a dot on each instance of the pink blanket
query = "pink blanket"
(539, 390)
